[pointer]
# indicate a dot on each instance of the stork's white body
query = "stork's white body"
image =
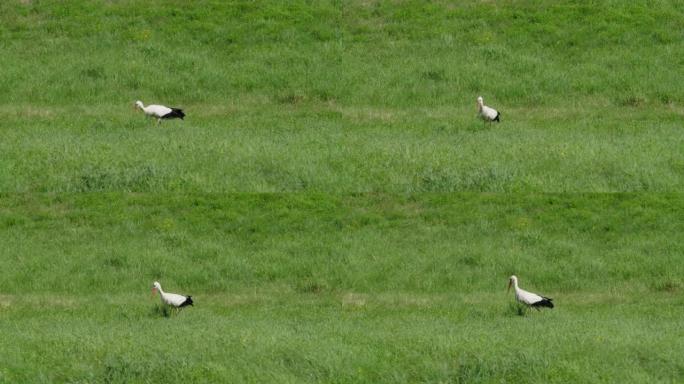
(528, 298)
(156, 110)
(487, 113)
(173, 299)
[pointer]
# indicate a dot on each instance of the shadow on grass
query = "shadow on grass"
(160, 310)
(311, 286)
(517, 309)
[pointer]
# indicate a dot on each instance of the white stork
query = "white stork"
(175, 300)
(528, 298)
(487, 113)
(160, 111)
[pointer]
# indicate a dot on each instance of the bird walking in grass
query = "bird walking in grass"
(160, 112)
(487, 114)
(171, 299)
(528, 298)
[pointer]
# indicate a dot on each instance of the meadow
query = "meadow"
(340, 97)
(331, 200)
(314, 288)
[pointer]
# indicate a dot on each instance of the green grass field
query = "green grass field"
(331, 201)
(312, 288)
(338, 97)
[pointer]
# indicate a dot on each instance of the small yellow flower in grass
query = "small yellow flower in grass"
(484, 38)
(167, 224)
(143, 35)
(522, 222)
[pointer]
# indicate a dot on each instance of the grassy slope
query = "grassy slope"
(301, 288)
(341, 96)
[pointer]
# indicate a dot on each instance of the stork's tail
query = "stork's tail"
(545, 302)
(175, 113)
(188, 301)
(178, 113)
(497, 117)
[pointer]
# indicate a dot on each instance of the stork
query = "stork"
(487, 114)
(160, 111)
(528, 298)
(172, 299)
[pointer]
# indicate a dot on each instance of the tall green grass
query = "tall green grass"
(421, 244)
(314, 288)
(341, 96)
(360, 53)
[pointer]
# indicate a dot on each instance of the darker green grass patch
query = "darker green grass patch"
(131, 179)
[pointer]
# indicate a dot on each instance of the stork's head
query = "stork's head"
(480, 101)
(155, 287)
(139, 104)
(512, 281)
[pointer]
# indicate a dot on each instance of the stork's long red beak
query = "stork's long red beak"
(509, 286)
(154, 290)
